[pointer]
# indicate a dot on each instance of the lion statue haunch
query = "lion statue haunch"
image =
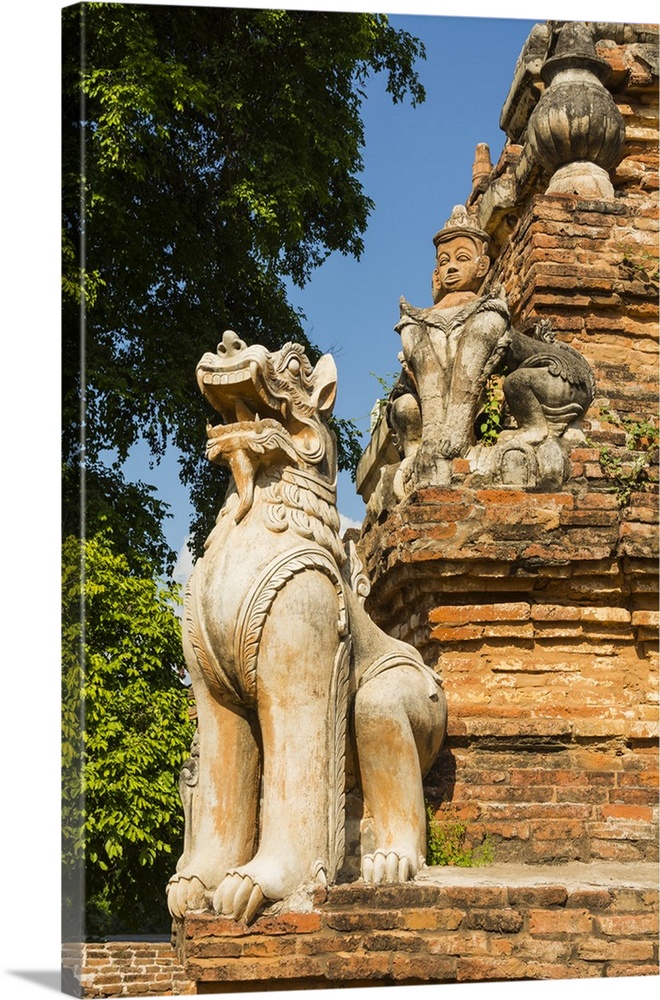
(295, 686)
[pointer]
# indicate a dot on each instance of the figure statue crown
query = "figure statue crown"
(459, 223)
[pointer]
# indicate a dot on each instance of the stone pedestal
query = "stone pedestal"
(450, 925)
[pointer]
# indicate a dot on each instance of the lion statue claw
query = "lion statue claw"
(296, 688)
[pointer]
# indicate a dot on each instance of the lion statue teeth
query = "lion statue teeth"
(299, 694)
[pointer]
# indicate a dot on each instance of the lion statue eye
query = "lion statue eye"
(293, 366)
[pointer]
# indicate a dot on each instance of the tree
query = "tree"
(126, 732)
(209, 154)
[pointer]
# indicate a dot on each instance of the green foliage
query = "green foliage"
(98, 494)
(386, 384)
(445, 844)
(641, 263)
(208, 154)
(491, 415)
(126, 733)
(351, 449)
(629, 472)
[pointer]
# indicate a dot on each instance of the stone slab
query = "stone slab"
(576, 874)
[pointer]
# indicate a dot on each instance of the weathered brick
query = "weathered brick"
(537, 810)
(595, 795)
(609, 615)
(362, 920)
(458, 634)
(638, 779)
(424, 967)
(327, 944)
(264, 947)
(500, 921)
(562, 921)
(546, 776)
(552, 851)
(466, 896)
(483, 969)
(542, 949)
(502, 793)
(510, 831)
(631, 969)
(213, 947)
(557, 829)
(525, 631)
(375, 965)
(585, 454)
(634, 901)
(207, 925)
(627, 925)
(427, 919)
(471, 613)
(634, 796)
(627, 812)
(650, 618)
(255, 969)
(392, 942)
(597, 949)
(568, 970)
(475, 942)
(591, 899)
(383, 897)
(614, 850)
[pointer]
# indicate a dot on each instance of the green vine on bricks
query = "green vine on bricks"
(445, 844)
(491, 414)
(641, 262)
(629, 475)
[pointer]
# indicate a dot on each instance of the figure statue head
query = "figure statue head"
(275, 407)
(462, 260)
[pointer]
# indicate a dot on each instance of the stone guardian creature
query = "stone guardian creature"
(451, 349)
(296, 688)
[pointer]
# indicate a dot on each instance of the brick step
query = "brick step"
(503, 922)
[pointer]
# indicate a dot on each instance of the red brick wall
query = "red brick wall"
(588, 266)
(124, 968)
(421, 932)
(540, 613)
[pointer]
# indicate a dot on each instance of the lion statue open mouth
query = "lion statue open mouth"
(271, 405)
(298, 692)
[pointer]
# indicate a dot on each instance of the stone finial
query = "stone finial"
(482, 166)
(576, 130)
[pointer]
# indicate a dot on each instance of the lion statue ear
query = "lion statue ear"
(324, 380)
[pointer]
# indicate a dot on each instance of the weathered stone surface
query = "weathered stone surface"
(449, 353)
(281, 653)
(576, 131)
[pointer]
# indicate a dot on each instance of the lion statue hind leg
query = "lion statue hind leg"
(400, 722)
